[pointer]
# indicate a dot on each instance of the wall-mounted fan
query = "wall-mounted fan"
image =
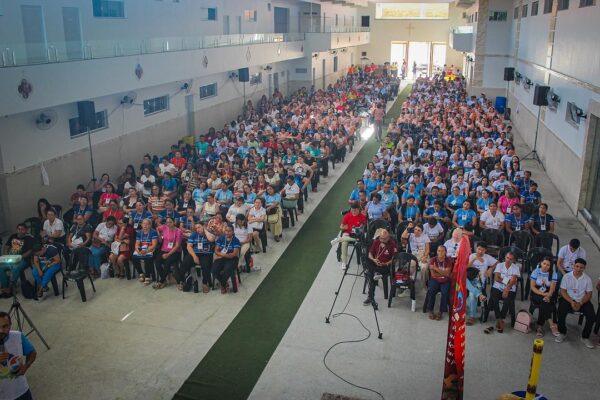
(553, 100)
(129, 99)
(187, 85)
(46, 120)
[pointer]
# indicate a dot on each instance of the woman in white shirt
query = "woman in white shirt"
(244, 234)
(257, 216)
(506, 276)
(419, 246)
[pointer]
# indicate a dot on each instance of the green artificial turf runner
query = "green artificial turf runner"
(235, 362)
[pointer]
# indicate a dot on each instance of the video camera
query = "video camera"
(358, 233)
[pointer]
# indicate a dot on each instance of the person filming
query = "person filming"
(381, 256)
(353, 219)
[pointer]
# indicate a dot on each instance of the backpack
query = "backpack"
(523, 321)
(188, 283)
(27, 289)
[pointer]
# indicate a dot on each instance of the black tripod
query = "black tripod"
(17, 313)
(357, 274)
(533, 155)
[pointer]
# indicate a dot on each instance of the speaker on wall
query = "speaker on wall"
(87, 114)
(509, 74)
(540, 95)
(244, 74)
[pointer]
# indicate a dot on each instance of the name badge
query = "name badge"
(464, 217)
(170, 245)
(135, 225)
(508, 210)
(543, 227)
(505, 280)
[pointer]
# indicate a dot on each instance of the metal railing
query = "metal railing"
(13, 55)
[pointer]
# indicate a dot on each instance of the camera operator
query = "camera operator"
(381, 255)
(352, 219)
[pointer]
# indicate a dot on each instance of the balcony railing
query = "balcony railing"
(13, 55)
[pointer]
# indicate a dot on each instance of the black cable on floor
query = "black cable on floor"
(350, 341)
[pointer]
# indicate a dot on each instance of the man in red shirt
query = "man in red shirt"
(350, 221)
(178, 161)
(381, 256)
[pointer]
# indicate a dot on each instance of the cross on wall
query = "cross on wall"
(409, 28)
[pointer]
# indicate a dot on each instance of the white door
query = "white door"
(72, 29)
(34, 33)
(226, 25)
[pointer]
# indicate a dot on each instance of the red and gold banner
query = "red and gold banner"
(452, 387)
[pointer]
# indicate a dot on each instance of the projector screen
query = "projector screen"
(411, 10)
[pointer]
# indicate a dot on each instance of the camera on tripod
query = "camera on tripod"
(358, 233)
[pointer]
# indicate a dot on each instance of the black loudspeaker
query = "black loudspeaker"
(540, 95)
(244, 75)
(87, 114)
(509, 74)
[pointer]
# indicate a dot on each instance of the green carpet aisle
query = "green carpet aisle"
(235, 362)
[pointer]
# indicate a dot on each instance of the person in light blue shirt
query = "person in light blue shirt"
(375, 208)
(464, 216)
(455, 200)
(388, 198)
(409, 211)
(224, 196)
(201, 193)
(355, 195)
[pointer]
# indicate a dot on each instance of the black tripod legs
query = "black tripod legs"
(17, 313)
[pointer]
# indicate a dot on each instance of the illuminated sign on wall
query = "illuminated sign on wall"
(411, 10)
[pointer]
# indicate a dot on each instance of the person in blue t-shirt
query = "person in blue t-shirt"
(439, 213)
(136, 217)
(455, 200)
(544, 293)
(46, 263)
(224, 196)
(227, 251)
(199, 252)
(146, 241)
(355, 194)
(516, 221)
(388, 198)
(409, 211)
(532, 195)
(375, 208)
(464, 216)
(169, 211)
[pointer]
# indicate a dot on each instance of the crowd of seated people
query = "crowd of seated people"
(205, 207)
(448, 168)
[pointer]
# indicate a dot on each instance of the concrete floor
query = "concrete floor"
(409, 362)
(129, 341)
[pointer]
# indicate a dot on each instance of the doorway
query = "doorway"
(592, 201)
(276, 81)
(419, 60)
(438, 56)
(72, 28)
(34, 33)
(398, 52)
(239, 24)
(189, 106)
(281, 17)
(226, 29)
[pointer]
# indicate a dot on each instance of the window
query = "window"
(335, 64)
(516, 13)
(157, 104)
(250, 15)
(475, 19)
(524, 11)
(498, 16)
(582, 3)
(108, 8)
(547, 6)
(534, 8)
(100, 123)
(256, 78)
(336, 20)
(208, 91)
(365, 21)
(208, 14)
(302, 70)
(563, 5)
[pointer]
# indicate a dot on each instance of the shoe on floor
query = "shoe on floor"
(377, 276)
(343, 266)
(335, 241)
(588, 343)
(560, 338)
(367, 302)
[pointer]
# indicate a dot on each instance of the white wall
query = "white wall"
(383, 32)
